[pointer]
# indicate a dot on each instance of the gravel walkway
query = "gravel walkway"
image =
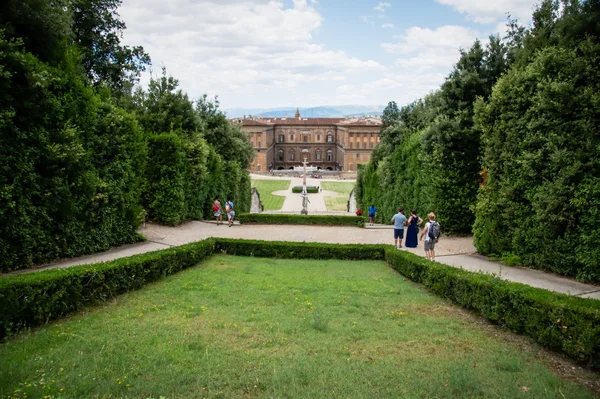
(453, 251)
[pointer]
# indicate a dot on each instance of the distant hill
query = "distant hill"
(312, 112)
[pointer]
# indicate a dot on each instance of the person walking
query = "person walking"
(230, 212)
(432, 234)
(217, 211)
(372, 213)
(399, 221)
(412, 232)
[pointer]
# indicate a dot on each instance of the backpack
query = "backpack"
(434, 231)
(215, 207)
(228, 206)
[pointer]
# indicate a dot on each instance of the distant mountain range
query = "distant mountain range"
(335, 111)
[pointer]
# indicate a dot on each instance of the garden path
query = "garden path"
(453, 251)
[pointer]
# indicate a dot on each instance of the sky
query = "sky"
(273, 53)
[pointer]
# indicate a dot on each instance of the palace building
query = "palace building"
(328, 143)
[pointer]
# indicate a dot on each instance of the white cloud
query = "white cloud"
(366, 18)
(249, 50)
(382, 6)
(488, 12)
(387, 26)
(429, 51)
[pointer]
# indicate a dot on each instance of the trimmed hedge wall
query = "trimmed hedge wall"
(309, 189)
(559, 322)
(299, 250)
(327, 220)
(33, 299)
(556, 321)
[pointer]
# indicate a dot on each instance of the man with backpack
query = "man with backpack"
(230, 211)
(432, 235)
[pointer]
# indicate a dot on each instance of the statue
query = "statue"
(304, 194)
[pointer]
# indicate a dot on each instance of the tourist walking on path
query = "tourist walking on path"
(372, 213)
(217, 210)
(412, 232)
(230, 212)
(399, 221)
(432, 234)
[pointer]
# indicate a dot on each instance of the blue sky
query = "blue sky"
(274, 53)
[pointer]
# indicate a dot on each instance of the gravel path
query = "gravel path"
(453, 251)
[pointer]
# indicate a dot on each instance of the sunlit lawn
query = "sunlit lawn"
(265, 328)
(339, 202)
(266, 187)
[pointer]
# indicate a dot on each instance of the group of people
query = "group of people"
(431, 231)
(218, 211)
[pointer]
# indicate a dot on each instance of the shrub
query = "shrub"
(299, 250)
(544, 208)
(556, 321)
(32, 299)
(309, 189)
(165, 187)
(328, 220)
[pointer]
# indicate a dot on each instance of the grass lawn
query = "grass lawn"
(268, 328)
(338, 203)
(266, 187)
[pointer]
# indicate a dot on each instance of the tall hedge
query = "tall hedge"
(541, 200)
(68, 162)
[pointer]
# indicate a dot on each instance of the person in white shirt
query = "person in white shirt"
(429, 242)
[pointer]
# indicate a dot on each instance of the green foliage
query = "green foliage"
(542, 197)
(68, 164)
(556, 321)
(165, 188)
(97, 31)
(32, 299)
(390, 115)
(309, 189)
(429, 159)
(327, 220)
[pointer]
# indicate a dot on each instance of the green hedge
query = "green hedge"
(299, 250)
(33, 299)
(556, 321)
(309, 189)
(327, 220)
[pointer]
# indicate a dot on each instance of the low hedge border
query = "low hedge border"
(326, 220)
(32, 299)
(559, 322)
(309, 189)
(299, 250)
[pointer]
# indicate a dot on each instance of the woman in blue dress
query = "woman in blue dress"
(413, 230)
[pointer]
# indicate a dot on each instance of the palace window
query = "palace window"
(291, 137)
(318, 137)
(329, 156)
(292, 155)
(318, 156)
(259, 144)
(330, 138)
(280, 156)
(305, 139)
(364, 144)
(281, 138)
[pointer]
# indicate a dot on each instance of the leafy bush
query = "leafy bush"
(32, 299)
(556, 321)
(541, 200)
(68, 164)
(328, 220)
(165, 190)
(309, 189)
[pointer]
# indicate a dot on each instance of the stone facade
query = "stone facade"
(327, 143)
